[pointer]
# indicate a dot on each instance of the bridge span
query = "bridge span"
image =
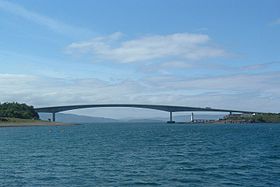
(167, 108)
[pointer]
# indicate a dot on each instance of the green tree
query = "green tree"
(17, 110)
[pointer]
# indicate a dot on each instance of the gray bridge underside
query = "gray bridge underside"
(166, 108)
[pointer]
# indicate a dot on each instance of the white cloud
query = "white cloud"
(177, 64)
(45, 91)
(261, 66)
(225, 84)
(185, 46)
(245, 92)
(48, 22)
(276, 22)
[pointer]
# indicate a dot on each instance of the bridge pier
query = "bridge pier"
(53, 116)
(170, 118)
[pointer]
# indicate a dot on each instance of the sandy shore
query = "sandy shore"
(35, 123)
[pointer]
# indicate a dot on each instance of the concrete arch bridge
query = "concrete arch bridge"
(167, 108)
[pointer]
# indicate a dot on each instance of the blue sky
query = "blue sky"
(223, 54)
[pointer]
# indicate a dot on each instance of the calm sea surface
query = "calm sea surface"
(135, 154)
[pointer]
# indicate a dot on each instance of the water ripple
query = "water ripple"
(141, 155)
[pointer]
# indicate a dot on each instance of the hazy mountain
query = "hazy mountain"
(198, 116)
(143, 120)
(179, 118)
(73, 118)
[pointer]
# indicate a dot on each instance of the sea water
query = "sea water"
(141, 154)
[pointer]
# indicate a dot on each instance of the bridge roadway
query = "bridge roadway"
(166, 108)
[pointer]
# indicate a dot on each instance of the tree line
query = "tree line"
(17, 110)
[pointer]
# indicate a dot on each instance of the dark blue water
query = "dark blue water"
(141, 154)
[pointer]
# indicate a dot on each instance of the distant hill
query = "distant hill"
(183, 118)
(179, 118)
(73, 118)
(143, 120)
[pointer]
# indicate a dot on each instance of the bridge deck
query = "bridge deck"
(167, 108)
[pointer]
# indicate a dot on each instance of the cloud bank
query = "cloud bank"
(247, 92)
(276, 22)
(186, 46)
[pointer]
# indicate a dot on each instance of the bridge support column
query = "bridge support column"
(53, 116)
(170, 118)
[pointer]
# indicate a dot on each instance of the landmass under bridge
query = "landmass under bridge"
(167, 108)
